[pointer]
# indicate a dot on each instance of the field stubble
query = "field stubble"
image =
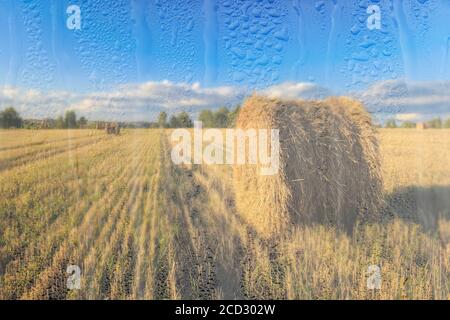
(141, 228)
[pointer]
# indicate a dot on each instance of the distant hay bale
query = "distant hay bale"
(329, 165)
(420, 126)
(112, 128)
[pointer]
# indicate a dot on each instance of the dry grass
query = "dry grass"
(321, 262)
(92, 205)
(141, 228)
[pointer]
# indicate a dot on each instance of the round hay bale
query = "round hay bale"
(329, 169)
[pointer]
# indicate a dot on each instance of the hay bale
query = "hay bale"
(329, 165)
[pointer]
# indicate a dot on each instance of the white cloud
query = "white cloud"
(395, 97)
(297, 90)
(127, 102)
(407, 116)
(9, 92)
(151, 97)
(406, 101)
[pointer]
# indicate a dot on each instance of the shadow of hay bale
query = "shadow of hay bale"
(329, 165)
(427, 206)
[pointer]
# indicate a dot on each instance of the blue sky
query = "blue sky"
(202, 53)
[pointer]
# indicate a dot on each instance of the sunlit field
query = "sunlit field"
(140, 227)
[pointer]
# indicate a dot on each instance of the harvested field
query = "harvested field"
(140, 227)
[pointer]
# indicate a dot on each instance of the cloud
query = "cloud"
(33, 103)
(407, 116)
(405, 101)
(138, 101)
(126, 102)
(297, 90)
(399, 98)
(144, 100)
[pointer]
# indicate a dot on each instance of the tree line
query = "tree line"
(10, 118)
(435, 123)
(70, 121)
(221, 118)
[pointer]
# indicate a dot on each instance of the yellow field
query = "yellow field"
(139, 227)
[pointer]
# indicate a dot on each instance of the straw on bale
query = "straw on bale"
(329, 165)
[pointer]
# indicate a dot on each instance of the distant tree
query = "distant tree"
(59, 123)
(70, 119)
(184, 120)
(232, 116)
(447, 123)
(221, 118)
(9, 118)
(408, 124)
(173, 122)
(82, 122)
(390, 123)
(181, 120)
(28, 125)
(162, 119)
(207, 118)
(435, 123)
